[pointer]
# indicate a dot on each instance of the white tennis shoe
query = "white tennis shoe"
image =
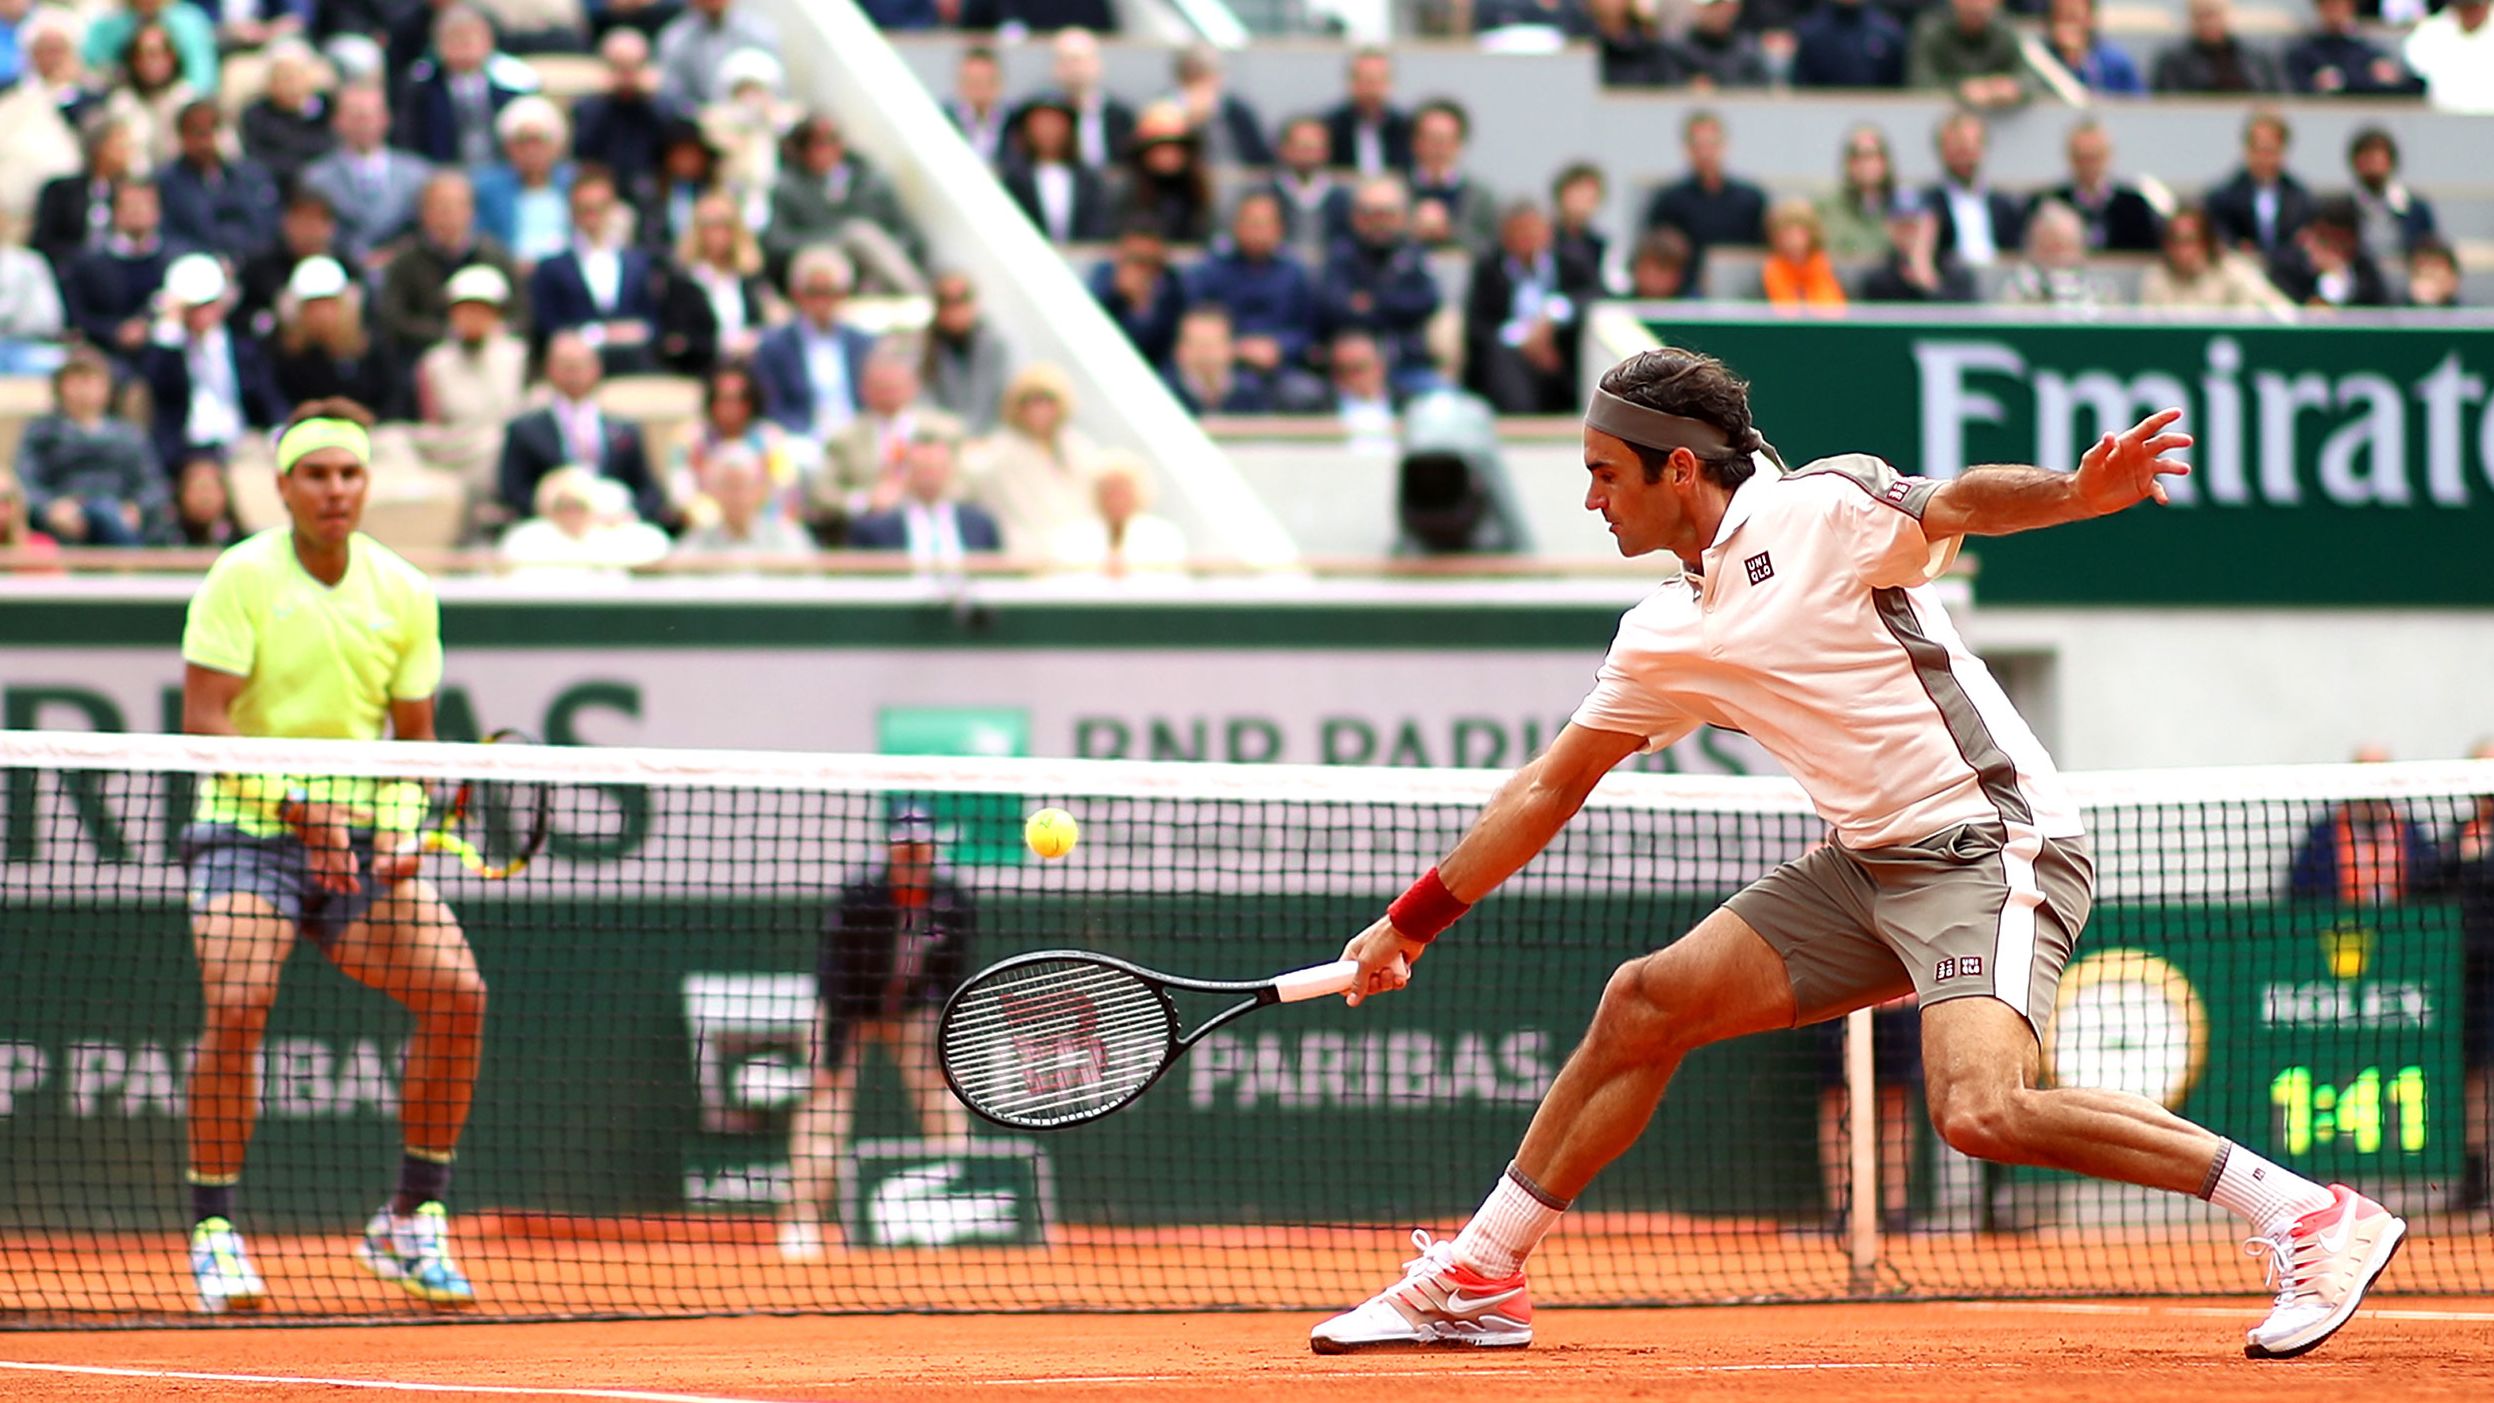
(221, 1269)
(2322, 1264)
(1439, 1302)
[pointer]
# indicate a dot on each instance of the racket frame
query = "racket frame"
(443, 836)
(1292, 986)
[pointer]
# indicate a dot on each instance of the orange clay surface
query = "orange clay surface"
(2401, 1348)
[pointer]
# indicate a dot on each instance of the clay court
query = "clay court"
(2404, 1346)
(2400, 1348)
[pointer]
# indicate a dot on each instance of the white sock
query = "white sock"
(1511, 1222)
(2268, 1196)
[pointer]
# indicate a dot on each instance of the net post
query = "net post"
(1862, 1128)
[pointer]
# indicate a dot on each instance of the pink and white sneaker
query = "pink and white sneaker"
(2322, 1265)
(1440, 1302)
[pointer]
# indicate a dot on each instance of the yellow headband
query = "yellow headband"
(313, 435)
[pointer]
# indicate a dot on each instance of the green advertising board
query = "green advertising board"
(2335, 464)
(2326, 1039)
(644, 1052)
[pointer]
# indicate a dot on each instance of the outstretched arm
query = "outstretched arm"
(2119, 472)
(1517, 823)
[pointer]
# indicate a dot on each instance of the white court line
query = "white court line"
(1386, 1370)
(2107, 1308)
(625, 1395)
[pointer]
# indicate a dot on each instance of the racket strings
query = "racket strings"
(1057, 1041)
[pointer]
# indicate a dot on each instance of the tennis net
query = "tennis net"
(2284, 954)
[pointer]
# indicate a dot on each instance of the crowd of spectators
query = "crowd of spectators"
(209, 217)
(1370, 217)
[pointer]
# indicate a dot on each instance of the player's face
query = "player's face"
(1642, 515)
(324, 493)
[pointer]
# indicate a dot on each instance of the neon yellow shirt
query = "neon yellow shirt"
(318, 661)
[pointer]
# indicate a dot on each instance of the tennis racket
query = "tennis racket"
(1060, 1037)
(493, 826)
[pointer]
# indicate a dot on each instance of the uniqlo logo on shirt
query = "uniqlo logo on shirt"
(1760, 568)
(1897, 490)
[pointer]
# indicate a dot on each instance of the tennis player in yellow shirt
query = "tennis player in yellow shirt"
(315, 631)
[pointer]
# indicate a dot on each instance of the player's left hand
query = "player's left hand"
(392, 869)
(1386, 960)
(2122, 469)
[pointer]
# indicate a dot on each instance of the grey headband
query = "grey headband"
(1652, 428)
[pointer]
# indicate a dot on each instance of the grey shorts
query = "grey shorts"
(223, 859)
(1954, 916)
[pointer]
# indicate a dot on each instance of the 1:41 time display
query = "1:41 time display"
(2365, 1114)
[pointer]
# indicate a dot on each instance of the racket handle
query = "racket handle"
(1316, 981)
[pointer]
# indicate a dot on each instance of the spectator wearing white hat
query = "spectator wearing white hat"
(472, 383)
(693, 43)
(524, 203)
(324, 349)
(746, 124)
(210, 387)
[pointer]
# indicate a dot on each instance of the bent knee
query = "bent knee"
(1638, 1011)
(1986, 1123)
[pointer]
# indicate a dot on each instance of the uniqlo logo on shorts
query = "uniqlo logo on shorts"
(1760, 568)
(1961, 964)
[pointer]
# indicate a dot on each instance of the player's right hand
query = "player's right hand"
(332, 858)
(1386, 959)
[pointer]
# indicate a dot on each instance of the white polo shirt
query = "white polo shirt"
(1814, 629)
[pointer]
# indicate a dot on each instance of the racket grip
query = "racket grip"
(1316, 981)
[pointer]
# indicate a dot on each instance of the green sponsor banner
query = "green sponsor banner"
(643, 1056)
(2327, 1040)
(2335, 465)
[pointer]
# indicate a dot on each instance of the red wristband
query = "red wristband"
(1425, 908)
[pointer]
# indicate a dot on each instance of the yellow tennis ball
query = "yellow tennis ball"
(1052, 833)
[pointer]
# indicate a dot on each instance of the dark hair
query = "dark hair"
(198, 105)
(1305, 119)
(2268, 117)
(2338, 212)
(334, 407)
(1693, 385)
(1702, 117)
(1452, 108)
(731, 370)
(2197, 214)
(1664, 244)
(978, 53)
(595, 173)
(130, 49)
(2373, 136)
(305, 198)
(1575, 171)
(2427, 247)
(1258, 195)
